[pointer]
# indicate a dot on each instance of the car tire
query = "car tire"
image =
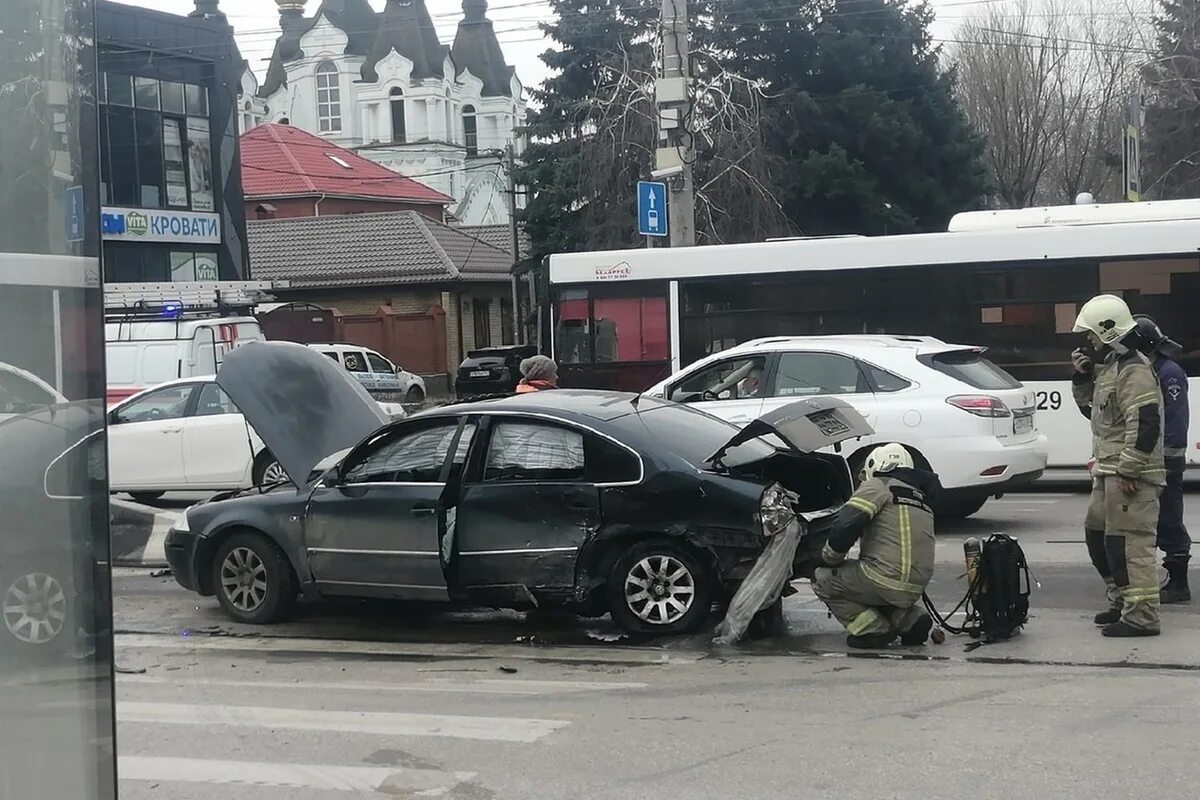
(414, 396)
(36, 608)
(253, 579)
(953, 506)
(647, 577)
(145, 497)
(267, 469)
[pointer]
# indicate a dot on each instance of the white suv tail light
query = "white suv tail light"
(981, 405)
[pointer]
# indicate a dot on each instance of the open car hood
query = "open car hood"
(303, 404)
(806, 425)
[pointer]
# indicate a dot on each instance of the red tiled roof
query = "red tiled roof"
(282, 161)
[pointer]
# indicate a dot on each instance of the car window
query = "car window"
(332, 355)
(354, 361)
(414, 456)
(523, 451)
(213, 402)
(20, 396)
(972, 369)
(380, 364)
(162, 404)
(608, 462)
(733, 379)
(806, 374)
(883, 380)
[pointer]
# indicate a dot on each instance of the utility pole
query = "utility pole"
(673, 95)
(519, 332)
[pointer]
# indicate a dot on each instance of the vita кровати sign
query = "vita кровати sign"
(152, 225)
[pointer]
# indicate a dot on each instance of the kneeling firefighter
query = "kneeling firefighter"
(877, 597)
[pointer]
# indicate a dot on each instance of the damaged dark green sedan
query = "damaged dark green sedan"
(591, 501)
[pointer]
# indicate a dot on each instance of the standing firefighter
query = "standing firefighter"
(877, 597)
(1116, 388)
(1173, 538)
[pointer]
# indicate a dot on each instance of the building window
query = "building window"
(152, 154)
(506, 321)
(399, 129)
(329, 98)
(482, 318)
(470, 130)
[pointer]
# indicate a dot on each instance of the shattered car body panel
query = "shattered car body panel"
(536, 500)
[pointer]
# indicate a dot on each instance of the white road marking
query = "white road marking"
(494, 729)
(1026, 501)
(333, 777)
(498, 687)
(272, 644)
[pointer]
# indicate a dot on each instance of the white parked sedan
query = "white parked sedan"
(187, 435)
(958, 413)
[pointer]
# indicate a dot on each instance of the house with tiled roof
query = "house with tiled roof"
(287, 172)
(382, 83)
(399, 264)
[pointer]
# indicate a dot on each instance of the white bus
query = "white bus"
(1011, 281)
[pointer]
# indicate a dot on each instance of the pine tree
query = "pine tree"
(596, 38)
(1171, 159)
(865, 125)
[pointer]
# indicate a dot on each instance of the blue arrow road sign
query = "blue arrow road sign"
(652, 208)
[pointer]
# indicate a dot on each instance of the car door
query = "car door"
(732, 389)
(799, 375)
(216, 442)
(383, 373)
(377, 532)
(526, 507)
(145, 439)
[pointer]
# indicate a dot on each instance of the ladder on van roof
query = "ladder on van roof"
(186, 299)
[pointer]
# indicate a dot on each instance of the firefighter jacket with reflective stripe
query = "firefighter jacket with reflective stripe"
(1123, 401)
(1173, 382)
(893, 518)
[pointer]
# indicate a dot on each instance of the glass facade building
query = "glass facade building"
(56, 673)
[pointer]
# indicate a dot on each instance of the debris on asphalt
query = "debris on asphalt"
(161, 573)
(508, 670)
(129, 670)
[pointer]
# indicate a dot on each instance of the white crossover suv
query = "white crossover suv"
(958, 413)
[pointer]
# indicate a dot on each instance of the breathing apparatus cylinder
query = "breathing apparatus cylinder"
(973, 551)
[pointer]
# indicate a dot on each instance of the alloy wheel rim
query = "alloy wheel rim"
(660, 589)
(274, 473)
(35, 608)
(244, 579)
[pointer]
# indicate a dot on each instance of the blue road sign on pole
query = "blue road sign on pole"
(73, 213)
(652, 208)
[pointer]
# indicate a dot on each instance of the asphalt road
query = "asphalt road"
(354, 700)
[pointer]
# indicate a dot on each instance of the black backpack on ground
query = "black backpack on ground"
(997, 602)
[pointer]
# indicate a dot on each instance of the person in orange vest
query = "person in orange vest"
(540, 373)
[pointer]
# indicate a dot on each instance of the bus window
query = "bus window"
(573, 336)
(631, 329)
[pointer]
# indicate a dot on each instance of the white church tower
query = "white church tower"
(383, 84)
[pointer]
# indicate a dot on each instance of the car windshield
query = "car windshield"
(696, 436)
(20, 396)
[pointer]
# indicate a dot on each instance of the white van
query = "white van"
(144, 353)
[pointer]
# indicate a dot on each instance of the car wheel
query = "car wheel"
(659, 587)
(952, 506)
(253, 579)
(415, 396)
(35, 608)
(146, 497)
(267, 470)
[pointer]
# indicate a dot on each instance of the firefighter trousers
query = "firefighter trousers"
(1121, 530)
(1173, 537)
(860, 605)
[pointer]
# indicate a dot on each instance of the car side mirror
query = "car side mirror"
(114, 418)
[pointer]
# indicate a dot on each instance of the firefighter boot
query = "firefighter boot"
(870, 641)
(1113, 594)
(1176, 589)
(918, 633)
(1123, 630)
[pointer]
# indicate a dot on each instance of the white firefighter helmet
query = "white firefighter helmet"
(1107, 316)
(886, 458)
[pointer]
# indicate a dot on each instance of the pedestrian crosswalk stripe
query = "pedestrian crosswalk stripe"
(390, 780)
(499, 687)
(496, 729)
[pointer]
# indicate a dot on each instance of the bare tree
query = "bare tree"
(1048, 90)
(735, 196)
